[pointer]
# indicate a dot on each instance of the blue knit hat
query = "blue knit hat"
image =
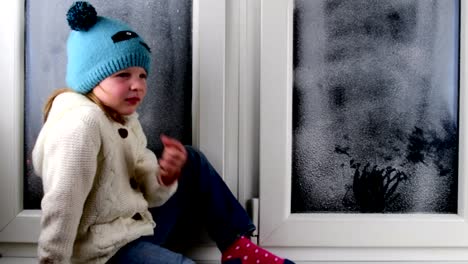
(98, 47)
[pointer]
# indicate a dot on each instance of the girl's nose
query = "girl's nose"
(138, 85)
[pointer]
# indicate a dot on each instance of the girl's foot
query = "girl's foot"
(244, 251)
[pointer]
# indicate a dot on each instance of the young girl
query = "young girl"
(107, 199)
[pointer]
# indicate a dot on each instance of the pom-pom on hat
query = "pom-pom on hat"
(98, 47)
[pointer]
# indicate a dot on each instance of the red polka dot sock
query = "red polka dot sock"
(244, 251)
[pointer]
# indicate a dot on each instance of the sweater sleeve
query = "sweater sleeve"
(147, 171)
(67, 161)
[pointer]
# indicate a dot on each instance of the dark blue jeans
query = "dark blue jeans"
(201, 200)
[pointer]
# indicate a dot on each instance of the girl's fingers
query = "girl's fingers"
(168, 178)
(171, 166)
(167, 166)
(168, 170)
(173, 161)
(163, 173)
(173, 158)
(172, 142)
(173, 154)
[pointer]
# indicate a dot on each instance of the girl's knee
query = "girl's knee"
(194, 153)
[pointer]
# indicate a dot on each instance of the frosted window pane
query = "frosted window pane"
(375, 118)
(166, 26)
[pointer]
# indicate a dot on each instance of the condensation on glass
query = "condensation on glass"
(166, 25)
(375, 106)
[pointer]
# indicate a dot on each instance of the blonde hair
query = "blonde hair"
(110, 113)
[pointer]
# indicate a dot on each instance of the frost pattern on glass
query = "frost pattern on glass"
(166, 25)
(375, 116)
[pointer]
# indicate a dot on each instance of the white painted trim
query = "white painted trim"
(400, 234)
(18, 250)
(18, 261)
(28, 250)
(249, 98)
(24, 228)
(211, 54)
(275, 121)
(306, 255)
(372, 254)
(11, 146)
(195, 74)
(32, 261)
(231, 114)
(215, 102)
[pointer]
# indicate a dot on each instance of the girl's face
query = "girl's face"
(123, 91)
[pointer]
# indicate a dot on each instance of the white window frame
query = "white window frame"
(16, 224)
(336, 237)
(215, 87)
(214, 109)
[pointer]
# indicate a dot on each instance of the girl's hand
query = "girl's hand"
(172, 160)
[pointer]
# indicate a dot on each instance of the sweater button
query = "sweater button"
(137, 217)
(133, 183)
(123, 132)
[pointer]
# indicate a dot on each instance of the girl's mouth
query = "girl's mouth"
(132, 100)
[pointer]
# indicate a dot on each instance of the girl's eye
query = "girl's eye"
(143, 76)
(123, 75)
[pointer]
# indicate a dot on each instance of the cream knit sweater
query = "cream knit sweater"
(99, 180)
